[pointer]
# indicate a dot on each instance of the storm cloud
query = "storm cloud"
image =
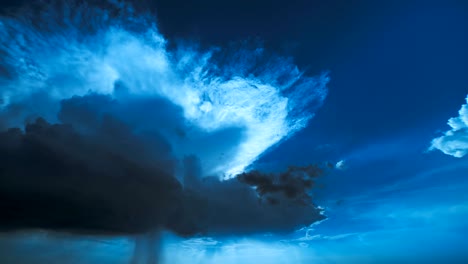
(55, 178)
(294, 183)
(106, 131)
(93, 173)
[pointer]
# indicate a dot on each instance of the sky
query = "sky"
(233, 131)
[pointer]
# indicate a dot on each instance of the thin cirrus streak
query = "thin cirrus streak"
(75, 49)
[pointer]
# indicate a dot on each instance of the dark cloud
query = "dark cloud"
(98, 173)
(91, 174)
(232, 207)
(54, 178)
(295, 183)
(39, 104)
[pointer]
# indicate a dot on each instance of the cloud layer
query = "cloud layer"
(455, 141)
(100, 176)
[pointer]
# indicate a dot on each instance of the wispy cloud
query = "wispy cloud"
(73, 49)
(454, 142)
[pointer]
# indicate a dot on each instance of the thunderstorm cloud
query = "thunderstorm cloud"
(106, 130)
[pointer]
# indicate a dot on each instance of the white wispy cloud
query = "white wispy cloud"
(454, 142)
(340, 165)
(267, 96)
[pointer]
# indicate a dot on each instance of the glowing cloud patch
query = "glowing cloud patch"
(455, 141)
(74, 50)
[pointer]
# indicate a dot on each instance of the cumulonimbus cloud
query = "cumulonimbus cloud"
(111, 180)
(106, 131)
(54, 52)
(454, 142)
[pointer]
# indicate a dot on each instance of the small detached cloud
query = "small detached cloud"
(294, 183)
(455, 141)
(340, 165)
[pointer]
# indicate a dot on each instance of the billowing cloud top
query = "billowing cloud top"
(71, 50)
(455, 141)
